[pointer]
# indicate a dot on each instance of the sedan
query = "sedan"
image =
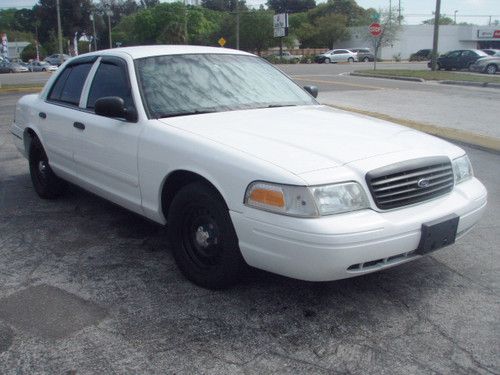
(243, 166)
(363, 54)
(459, 59)
(41, 66)
(488, 65)
(337, 55)
(57, 59)
(12, 67)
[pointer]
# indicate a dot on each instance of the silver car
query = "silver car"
(12, 67)
(339, 55)
(41, 66)
(488, 65)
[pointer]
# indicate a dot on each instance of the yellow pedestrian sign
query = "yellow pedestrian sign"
(222, 41)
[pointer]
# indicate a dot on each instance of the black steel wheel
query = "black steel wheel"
(205, 245)
(47, 185)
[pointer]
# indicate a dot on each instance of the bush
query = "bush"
(397, 57)
(29, 52)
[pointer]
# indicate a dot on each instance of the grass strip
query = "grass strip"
(429, 75)
(20, 88)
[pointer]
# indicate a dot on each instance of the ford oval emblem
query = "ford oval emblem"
(423, 183)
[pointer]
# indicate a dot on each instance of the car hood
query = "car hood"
(307, 138)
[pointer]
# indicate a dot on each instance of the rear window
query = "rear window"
(68, 87)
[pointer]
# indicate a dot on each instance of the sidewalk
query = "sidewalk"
(467, 115)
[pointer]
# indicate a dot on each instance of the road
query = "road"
(87, 287)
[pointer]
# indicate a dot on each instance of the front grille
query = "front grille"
(410, 182)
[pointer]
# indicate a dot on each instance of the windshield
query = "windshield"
(176, 85)
(481, 53)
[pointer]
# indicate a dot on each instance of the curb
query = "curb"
(472, 139)
(474, 84)
(411, 79)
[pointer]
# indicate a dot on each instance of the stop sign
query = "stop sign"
(375, 29)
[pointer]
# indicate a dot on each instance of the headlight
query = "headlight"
(338, 198)
(462, 169)
(306, 201)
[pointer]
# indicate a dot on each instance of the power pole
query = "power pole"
(185, 23)
(92, 18)
(59, 32)
(399, 13)
(237, 24)
(109, 13)
(437, 16)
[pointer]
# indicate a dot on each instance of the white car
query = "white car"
(41, 66)
(338, 55)
(243, 165)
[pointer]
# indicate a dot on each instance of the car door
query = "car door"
(467, 58)
(106, 148)
(60, 110)
(450, 60)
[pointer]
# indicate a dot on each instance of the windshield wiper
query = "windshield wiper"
(280, 105)
(185, 113)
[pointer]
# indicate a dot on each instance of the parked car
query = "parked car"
(245, 166)
(41, 66)
(363, 54)
(458, 59)
(12, 67)
(491, 52)
(421, 55)
(489, 65)
(287, 56)
(337, 55)
(57, 59)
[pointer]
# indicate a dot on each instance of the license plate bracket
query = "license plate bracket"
(437, 234)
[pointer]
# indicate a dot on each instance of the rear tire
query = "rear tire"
(205, 245)
(491, 69)
(47, 185)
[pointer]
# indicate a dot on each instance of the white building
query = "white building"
(412, 38)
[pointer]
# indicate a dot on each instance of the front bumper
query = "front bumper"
(346, 245)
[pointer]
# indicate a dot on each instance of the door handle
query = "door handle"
(42, 115)
(79, 125)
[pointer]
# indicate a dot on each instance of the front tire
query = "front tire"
(366, 59)
(491, 69)
(350, 60)
(327, 61)
(205, 245)
(47, 185)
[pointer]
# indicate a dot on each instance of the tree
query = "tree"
(443, 20)
(29, 52)
(224, 5)
(330, 29)
(354, 14)
(256, 30)
(390, 29)
(291, 6)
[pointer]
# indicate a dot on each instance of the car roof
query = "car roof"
(139, 52)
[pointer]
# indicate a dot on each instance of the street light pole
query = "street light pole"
(455, 17)
(237, 25)
(437, 16)
(109, 13)
(59, 32)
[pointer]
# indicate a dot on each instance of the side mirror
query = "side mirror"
(313, 90)
(114, 106)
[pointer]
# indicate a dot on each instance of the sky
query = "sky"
(415, 11)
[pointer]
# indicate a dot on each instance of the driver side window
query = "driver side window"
(110, 80)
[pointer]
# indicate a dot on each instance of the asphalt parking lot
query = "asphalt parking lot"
(87, 287)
